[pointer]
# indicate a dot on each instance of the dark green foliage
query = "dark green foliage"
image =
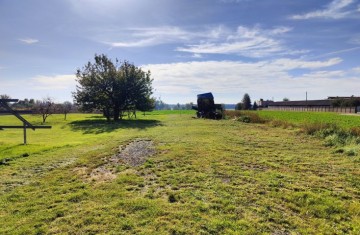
(113, 88)
(238, 106)
(245, 119)
(342, 102)
(255, 106)
(246, 102)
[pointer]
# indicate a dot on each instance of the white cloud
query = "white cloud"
(28, 40)
(139, 43)
(58, 82)
(289, 64)
(144, 37)
(324, 74)
(264, 79)
(198, 56)
(335, 10)
(337, 52)
(250, 42)
(58, 87)
(356, 70)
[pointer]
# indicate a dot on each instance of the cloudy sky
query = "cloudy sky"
(269, 49)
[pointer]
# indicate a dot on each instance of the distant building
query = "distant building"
(264, 103)
(332, 104)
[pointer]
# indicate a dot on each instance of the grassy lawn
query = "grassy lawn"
(342, 120)
(207, 177)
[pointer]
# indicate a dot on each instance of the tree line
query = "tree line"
(44, 107)
(245, 104)
(346, 102)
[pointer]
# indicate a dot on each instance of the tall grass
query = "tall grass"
(343, 138)
(245, 116)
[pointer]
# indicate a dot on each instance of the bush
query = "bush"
(281, 123)
(333, 140)
(245, 119)
(244, 116)
(324, 129)
(355, 131)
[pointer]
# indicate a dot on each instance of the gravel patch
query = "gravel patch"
(136, 152)
(133, 154)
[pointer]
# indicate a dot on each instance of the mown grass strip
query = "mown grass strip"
(207, 177)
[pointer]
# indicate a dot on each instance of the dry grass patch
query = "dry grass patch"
(133, 154)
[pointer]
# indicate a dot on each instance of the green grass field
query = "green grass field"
(342, 120)
(207, 177)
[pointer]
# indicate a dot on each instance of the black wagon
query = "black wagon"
(206, 107)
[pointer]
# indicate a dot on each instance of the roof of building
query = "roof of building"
(302, 103)
(343, 97)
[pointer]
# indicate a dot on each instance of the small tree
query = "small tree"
(147, 105)
(255, 106)
(188, 106)
(5, 96)
(45, 108)
(246, 101)
(238, 106)
(161, 105)
(64, 108)
(286, 99)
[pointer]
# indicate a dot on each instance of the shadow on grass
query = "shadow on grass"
(97, 126)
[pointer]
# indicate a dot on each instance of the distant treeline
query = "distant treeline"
(160, 105)
(346, 102)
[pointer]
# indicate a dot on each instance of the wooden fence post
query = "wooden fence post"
(24, 133)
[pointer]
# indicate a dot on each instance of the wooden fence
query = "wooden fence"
(26, 124)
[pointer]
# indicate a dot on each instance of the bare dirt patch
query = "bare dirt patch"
(136, 152)
(133, 154)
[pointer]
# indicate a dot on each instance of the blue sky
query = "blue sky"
(270, 49)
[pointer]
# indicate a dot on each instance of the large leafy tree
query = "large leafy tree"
(111, 88)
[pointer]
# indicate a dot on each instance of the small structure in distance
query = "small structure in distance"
(206, 108)
(26, 124)
(331, 104)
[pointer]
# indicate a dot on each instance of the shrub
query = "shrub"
(355, 131)
(351, 150)
(245, 119)
(244, 116)
(281, 123)
(324, 129)
(332, 140)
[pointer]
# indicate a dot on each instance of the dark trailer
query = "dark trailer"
(206, 107)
